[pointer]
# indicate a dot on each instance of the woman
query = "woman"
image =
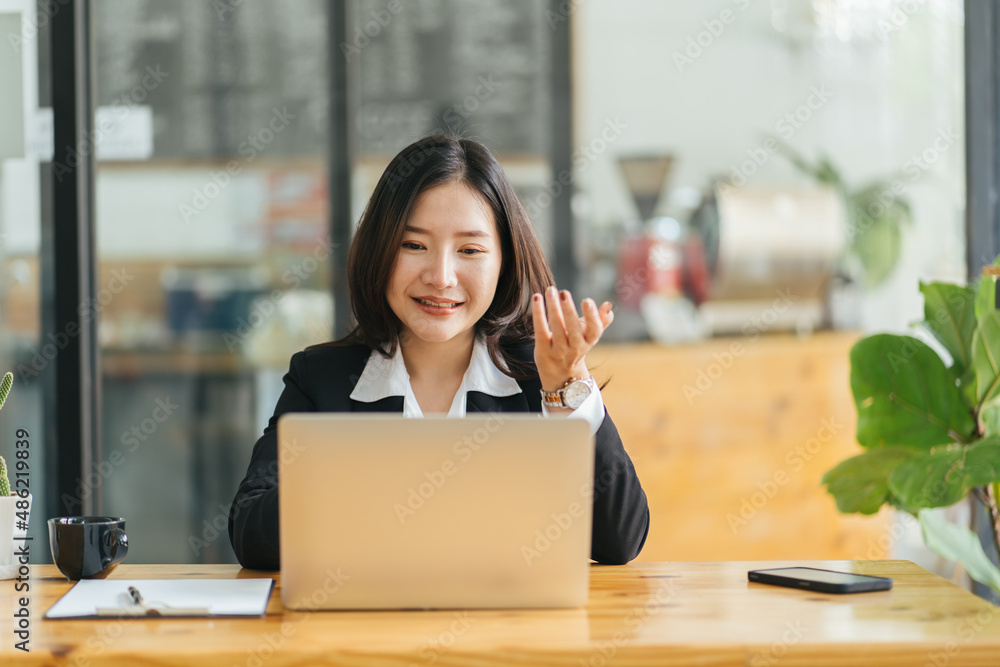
(455, 312)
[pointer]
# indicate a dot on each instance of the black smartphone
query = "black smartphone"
(825, 581)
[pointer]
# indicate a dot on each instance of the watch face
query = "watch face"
(576, 393)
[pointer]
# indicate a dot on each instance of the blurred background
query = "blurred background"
(755, 185)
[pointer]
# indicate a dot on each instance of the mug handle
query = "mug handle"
(118, 540)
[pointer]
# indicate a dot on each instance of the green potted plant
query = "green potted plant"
(14, 508)
(930, 426)
(876, 214)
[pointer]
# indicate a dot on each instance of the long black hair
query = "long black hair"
(427, 163)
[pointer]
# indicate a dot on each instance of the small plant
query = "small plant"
(5, 385)
(876, 214)
(931, 431)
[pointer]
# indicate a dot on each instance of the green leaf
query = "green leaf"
(4, 480)
(990, 416)
(860, 484)
(986, 293)
(968, 386)
(876, 223)
(880, 190)
(823, 171)
(906, 210)
(928, 481)
(877, 246)
(942, 478)
(985, 296)
(827, 173)
(986, 356)
(905, 395)
(5, 385)
(958, 543)
(949, 314)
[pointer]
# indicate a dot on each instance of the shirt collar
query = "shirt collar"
(483, 375)
(383, 377)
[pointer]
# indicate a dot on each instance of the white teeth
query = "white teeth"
(439, 305)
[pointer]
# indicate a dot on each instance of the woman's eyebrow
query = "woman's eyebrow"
(471, 232)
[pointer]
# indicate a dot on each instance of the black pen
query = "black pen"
(162, 610)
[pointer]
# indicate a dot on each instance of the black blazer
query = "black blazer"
(321, 379)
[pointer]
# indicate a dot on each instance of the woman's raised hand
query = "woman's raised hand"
(563, 337)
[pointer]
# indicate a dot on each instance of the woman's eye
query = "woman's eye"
(470, 251)
(412, 246)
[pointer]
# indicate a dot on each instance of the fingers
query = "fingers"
(538, 319)
(571, 320)
(607, 315)
(593, 322)
(556, 323)
(555, 317)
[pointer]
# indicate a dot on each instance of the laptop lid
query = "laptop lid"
(386, 512)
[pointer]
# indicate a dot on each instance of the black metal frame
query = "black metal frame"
(982, 169)
(563, 260)
(340, 164)
(69, 322)
(982, 123)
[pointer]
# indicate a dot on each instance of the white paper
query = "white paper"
(124, 132)
(222, 597)
(120, 133)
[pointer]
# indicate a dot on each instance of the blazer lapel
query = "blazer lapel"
(387, 404)
(477, 401)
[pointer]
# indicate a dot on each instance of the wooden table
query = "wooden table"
(640, 614)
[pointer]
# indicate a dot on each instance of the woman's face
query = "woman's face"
(447, 266)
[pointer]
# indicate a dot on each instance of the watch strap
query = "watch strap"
(557, 398)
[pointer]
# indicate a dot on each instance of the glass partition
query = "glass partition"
(743, 174)
(213, 237)
(24, 75)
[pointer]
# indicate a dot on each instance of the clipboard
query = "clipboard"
(160, 598)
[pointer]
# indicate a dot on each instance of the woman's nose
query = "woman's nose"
(440, 272)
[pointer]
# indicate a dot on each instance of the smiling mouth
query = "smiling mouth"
(438, 304)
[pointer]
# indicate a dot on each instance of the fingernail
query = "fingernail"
(537, 297)
(564, 296)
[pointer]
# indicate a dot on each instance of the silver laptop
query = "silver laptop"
(385, 512)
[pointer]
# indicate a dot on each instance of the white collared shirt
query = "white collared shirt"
(383, 378)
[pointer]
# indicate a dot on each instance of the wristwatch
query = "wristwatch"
(571, 395)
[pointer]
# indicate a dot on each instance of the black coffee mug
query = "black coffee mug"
(87, 547)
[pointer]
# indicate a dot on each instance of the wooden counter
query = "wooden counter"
(730, 438)
(641, 614)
